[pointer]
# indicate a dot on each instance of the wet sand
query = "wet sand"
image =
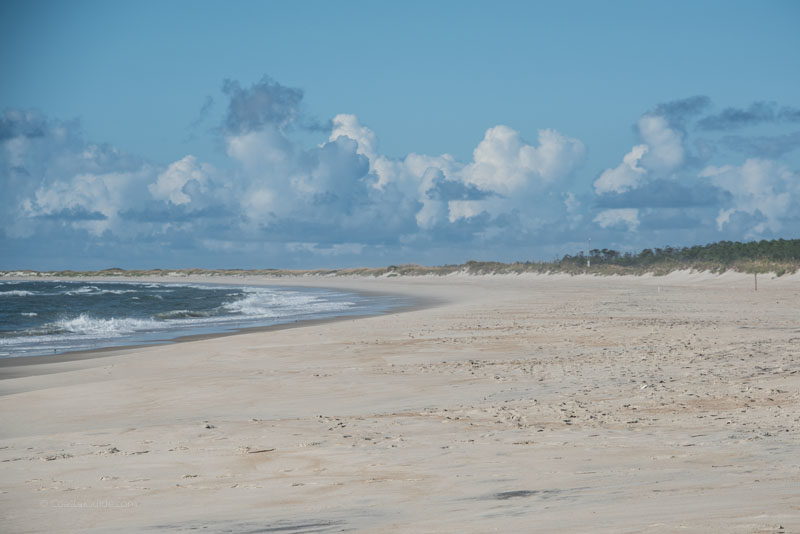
(515, 404)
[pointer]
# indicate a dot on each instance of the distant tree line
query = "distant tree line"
(721, 253)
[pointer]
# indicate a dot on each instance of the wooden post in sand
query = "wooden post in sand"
(755, 280)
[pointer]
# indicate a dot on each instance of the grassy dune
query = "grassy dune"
(779, 256)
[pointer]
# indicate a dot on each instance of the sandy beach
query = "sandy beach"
(531, 403)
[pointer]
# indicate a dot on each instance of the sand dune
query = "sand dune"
(532, 403)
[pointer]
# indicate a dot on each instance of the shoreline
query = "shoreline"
(8, 365)
(348, 283)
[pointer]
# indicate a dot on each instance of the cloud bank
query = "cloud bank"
(667, 177)
(281, 201)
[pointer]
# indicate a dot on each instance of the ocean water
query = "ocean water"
(38, 318)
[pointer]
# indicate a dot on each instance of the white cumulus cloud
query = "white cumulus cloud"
(504, 163)
(660, 153)
(171, 185)
(758, 187)
(665, 144)
(617, 218)
(627, 175)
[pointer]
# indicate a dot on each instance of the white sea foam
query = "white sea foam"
(16, 293)
(29, 314)
(171, 286)
(43, 344)
(83, 290)
(255, 302)
(92, 326)
(267, 303)
(94, 290)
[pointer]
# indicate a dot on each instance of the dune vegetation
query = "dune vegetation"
(778, 256)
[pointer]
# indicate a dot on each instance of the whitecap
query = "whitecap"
(86, 290)
(260, 302)
(87, 325)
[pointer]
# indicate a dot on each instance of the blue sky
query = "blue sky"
(306, 134)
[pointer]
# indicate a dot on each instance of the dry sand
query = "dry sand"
(517, 404)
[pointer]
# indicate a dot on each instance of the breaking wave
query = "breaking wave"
(60, 316)
(93, 326)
